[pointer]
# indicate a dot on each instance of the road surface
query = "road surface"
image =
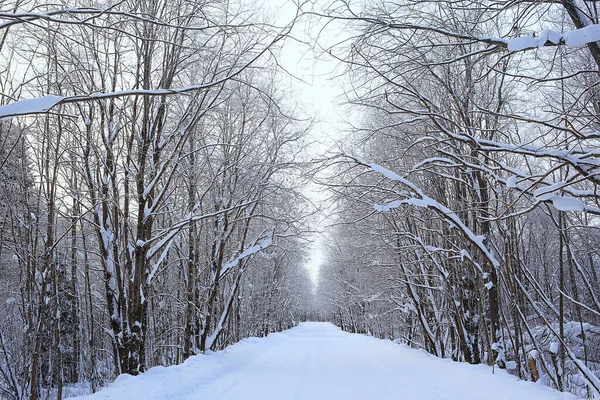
(318, 361)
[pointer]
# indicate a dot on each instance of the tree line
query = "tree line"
(151, 166)
(150, 188)
(467, 197)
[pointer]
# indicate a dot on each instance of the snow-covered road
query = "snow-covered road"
(318, 361)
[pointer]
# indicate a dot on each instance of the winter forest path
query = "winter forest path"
(319, 361)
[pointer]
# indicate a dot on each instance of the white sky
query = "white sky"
(318, 92)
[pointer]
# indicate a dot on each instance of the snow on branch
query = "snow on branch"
(563, 203)
(548, 37)
(258, 246)
(163, 237)
(44, 104)
(420, 199)
(29, 106)
(161, 259)
(584, 161)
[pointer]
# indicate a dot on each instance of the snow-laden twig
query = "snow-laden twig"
(44, 104)
(420, 199)
(255, 248)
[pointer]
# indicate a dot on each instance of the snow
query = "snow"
(522, 43)
(391, 175)
(247, 253)
(511, 365)
(568, 203)
(387, 207)
(563, 203)
(162, 258)
(422, 200)
(29, 106)
(511, 182)
(577, 37)
(529, 42)
(319, 361)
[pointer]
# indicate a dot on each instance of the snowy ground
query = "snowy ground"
(319, 361)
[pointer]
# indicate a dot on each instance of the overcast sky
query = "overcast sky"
(316, 89)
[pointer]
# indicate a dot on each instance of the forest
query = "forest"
(158, 169)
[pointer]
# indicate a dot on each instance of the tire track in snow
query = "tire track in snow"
(302, 379)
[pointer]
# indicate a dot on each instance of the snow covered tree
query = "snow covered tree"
(473, 134)
(145, 173)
